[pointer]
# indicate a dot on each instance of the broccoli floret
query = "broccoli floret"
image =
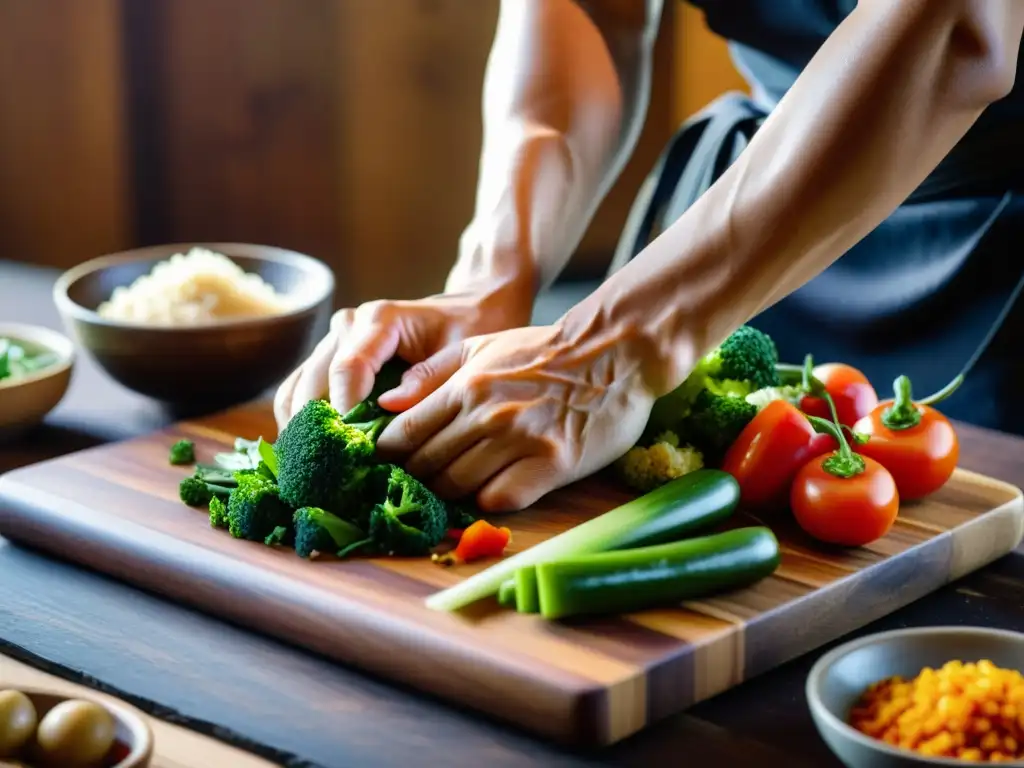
(198, 490)
(743, 363)
(182, 452)
(255, 508)
(218, 513)
(644, 468)
(410, 521)
(318, 531)
(318, 456)
(748, 355)
(280, 535)
(716, 422)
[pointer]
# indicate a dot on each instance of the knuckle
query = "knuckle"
(377, 311)
(342, 319)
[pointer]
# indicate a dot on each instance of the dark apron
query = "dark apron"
(918, 296)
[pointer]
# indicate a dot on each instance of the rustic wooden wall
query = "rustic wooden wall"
(342, 128)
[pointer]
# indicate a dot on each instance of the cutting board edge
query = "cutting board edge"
(587, 720)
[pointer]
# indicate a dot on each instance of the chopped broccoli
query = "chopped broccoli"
(318, 457)
(716, 422)
(218, 513)
(748, 355)
(197, 490)
(746, 361)
(280, 535)
(255, 508)
(182, 452)
(644, 468)
(318, 531)
(410, 521)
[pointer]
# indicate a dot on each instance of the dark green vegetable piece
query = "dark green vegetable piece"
(317, 530)
(410, 521)
(255, 509)
(635, 579)
(196, 491)
(182, 452)
(218, 513)
(280, 535)
(716, 422)
(318, 458)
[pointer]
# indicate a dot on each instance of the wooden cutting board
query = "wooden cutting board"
(115, 509)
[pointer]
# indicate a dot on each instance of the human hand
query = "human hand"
(344, 364)
(513, 415)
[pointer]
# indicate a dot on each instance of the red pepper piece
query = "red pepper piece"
(479, 540)
(769, 452)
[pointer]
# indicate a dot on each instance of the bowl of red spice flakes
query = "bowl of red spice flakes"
(937, 696)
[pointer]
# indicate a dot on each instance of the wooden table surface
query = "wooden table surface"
(295, 709)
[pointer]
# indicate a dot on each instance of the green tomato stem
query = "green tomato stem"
(904, 412)
(843, 463)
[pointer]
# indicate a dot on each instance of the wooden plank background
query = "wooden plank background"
(342, 128)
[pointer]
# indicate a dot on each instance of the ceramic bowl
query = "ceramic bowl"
(133, 746)
(25, 400)
(841, 676)
(208, 366)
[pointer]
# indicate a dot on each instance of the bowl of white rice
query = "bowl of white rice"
(198, 326)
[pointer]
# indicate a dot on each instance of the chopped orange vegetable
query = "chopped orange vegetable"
(479, 540)
(968, 711)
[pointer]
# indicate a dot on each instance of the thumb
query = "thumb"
(423, 379)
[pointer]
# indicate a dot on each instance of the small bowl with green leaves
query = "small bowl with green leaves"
(35, 371)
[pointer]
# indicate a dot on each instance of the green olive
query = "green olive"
(17, 721)
(75, 733)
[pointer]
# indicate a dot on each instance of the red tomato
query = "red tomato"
(849, 511)
(921, 457)
(770, 450)
(850, 390)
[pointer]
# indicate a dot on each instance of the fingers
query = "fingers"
(472, 469)
(358, 359)
(521, 485)
(423, 379)
(446, 446)
(411, 429)
(308, 382)
(283, 399)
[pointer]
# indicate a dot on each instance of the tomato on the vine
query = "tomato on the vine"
(770, 450)
(852, 393)
(916, 443)
(850, 510)
(843, 498)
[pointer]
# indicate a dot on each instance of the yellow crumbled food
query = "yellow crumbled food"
(645, 468)
(972, 711)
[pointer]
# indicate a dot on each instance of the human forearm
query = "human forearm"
(883, 101)
(565, 95)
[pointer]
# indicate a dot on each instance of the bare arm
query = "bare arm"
(565, 95)
(883, 101)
